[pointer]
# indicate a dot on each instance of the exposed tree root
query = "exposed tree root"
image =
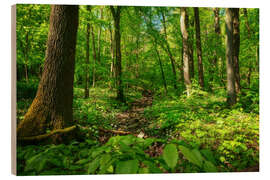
(42, 137)
(47, 135)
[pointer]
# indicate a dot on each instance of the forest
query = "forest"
(136, 89)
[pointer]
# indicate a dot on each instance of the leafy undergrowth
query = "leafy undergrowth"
(120, 155)
(203, 121)
(185, 134)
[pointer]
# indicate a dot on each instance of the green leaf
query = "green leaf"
(127, 140)
(198, 155)
(170, 155)
(36, 163)
(209, 167)
(97, 152)
(110, 169)
(127, 167)
(191, 155)
(82, 161)
(143, 170)
(93, 166)
(208, 155)
(152, 167)
(105, 162)
(148, 142)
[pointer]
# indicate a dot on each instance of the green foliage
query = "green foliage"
(26, 90)
(198, 133)
(170, 155)
(127, 167)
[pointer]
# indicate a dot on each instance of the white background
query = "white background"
(5, 85)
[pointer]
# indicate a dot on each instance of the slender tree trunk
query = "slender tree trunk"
(190, 44)
(236, 46)
(231, 99)
(247, 24)
(86, 88)
(137, 57)
(112, 54)
(198, 45)
(161, 68)
(217, 41)
(185, 49)
(94, 54)
(52, 106)
(99, 37)
(168, 50)
(117, 38)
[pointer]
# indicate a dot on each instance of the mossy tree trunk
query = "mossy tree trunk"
(52, 107)
(117, 38)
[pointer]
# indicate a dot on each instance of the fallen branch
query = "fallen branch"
(44, 136)
(114, 131)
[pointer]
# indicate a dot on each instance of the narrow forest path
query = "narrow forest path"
(133, 119)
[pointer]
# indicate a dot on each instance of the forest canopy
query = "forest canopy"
(123, 89)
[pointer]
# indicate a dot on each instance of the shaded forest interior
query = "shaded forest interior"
(122, 89)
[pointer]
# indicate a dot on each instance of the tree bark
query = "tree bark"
(137, 57)
(86, 88)
(185, 49)
(247, 24)
(236, 46)
(52, 106)
(231, 94)
(117, 38)
(190, 44)
(112, 54)
(168, 49)
(217, 42)
(198, 46)
(161, 68)
(99, 37)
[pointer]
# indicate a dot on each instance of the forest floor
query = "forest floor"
(201, 122)
(133, 119)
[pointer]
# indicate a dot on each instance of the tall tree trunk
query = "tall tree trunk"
(99, 37)
(190, 44)
(117, 38)
(137, 57)
(86, 88)
(185, 49)
(94, 54)
(217, 42)
(112, 54)
(168, 49)
(236, 46)
(247, 24)
(198, 45)
(161, 68)
(231, 94)
(94, 50)
(52, 106)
